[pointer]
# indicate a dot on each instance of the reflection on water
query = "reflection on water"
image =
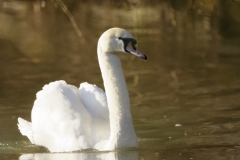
(130, 155)
(192, 76)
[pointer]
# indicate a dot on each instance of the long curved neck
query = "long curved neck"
(121, 126)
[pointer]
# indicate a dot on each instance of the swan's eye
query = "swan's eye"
(134, 42)
(126, 41)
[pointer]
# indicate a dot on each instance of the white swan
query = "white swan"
(65, 118)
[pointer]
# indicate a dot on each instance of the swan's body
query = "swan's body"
(65, 118)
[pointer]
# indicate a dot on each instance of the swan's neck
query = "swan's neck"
(122, 132)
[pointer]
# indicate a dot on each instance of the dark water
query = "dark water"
(185, 98)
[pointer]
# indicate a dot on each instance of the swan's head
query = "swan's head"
(119, 40)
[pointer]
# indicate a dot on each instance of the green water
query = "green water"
(185, 99)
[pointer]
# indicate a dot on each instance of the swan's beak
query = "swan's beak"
(134, 51)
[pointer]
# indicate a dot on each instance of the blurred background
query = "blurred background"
(184, 98)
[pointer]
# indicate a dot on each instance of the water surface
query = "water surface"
(185, 98)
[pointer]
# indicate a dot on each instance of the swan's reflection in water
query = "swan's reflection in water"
(124, 155)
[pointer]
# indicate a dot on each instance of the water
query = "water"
(185, 98)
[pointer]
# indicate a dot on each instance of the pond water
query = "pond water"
(184, 99)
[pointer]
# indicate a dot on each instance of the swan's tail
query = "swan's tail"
(25, 128)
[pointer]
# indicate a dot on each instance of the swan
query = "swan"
(66, 118)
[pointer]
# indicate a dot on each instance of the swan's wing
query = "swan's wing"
(95, 101)
(60, 121)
